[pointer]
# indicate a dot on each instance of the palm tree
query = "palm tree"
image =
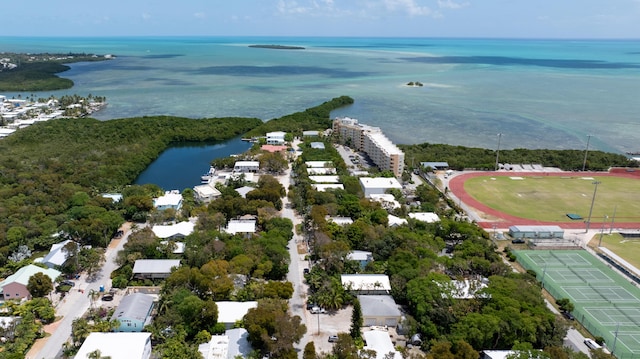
(93, 296)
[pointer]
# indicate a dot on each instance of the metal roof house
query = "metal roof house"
(170, 199)
(234, 343)
(246, 166)
(57, 256)
(15, 285)
(173, 231)
(378, 185)
(362, 257)
(134, 312)
(381, 343)
(379, 310)
(275, 138)
(154, 268)
(245, 227)
(117, 345)
(428, 217)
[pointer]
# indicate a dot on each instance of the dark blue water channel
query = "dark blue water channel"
(182, 165)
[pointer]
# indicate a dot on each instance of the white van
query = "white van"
(592, 344)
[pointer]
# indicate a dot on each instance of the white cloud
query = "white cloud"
(450, 4)
(408, 6)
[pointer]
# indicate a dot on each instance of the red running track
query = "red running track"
(504, 220)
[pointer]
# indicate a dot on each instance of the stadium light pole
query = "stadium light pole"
(586, 150)
(604, 221)
(498, 151)
(593, 200)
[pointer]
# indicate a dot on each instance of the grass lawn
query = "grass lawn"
(551, 198)
(628, 249)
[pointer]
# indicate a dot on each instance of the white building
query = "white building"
(380, 342)
(396, 221)
(428, 217)
(171, 199)
(387, 200)
(321, 171)
(341, 221)
(362, 257)
(319, 164)
(322, 187)
(324, 179)
(246, 166)
(206, 193)
(234, 343)
(117, 345)
(57, 255)
(241, 226)
(231, 312)
(174, 231)
(276, 138)
(385, 154)
(375, 284)
(378, 185)
(216, 348)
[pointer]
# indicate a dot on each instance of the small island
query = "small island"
(415, 84)
(278, 47)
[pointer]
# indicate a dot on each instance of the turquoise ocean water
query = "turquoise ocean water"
(537, 93)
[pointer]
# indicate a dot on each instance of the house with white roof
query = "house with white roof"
(318, 164)
(231, 312)
(380, 342)
(206, 193)
(310, 133)
(174, 231)
(170, 199)
(57, 255)
(428, 217)
(15, 285)
(375, 284)
(378, 185)
(324, 179)
(154, 268)
(387, 200)
(117, 345)
(246, 227)
(362, 257)
(321, 171)
(379, 310)
(317, 145)
(341, 221)
(276, 138)
(395, 221)
(242, 191)
(246, 166)
(216, 348)
(134, 312)
(322, 187)
(234, 343)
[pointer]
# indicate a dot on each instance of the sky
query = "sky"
(369, 18)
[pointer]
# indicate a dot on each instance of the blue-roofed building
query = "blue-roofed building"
(134, 312)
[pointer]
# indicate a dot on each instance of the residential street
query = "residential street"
(75, 304)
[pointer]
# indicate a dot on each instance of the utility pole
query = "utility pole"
(584, 163)
(498, 151)
(592, 202)
(604, 221)
(613, 218)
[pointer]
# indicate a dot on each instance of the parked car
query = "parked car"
(305, 271)
(518, 241)
(69, 283)
(107, 297)
(568, 315)
(318, 310)
(310, 305)
(333, 338)
(592, 344)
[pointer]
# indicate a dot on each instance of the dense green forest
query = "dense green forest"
(314, 118)
(45, 169)
(460, 157)
(37, 72)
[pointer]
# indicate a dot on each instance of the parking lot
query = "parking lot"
(332, 323)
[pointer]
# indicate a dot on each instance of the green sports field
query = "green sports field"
(550, 198)
(627, 248)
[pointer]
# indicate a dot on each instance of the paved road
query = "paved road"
(76, 303)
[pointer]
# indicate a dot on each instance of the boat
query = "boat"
(205, 178)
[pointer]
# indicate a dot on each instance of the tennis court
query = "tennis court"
(606, 303)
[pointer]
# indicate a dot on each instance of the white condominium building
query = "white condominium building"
(371, 140)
